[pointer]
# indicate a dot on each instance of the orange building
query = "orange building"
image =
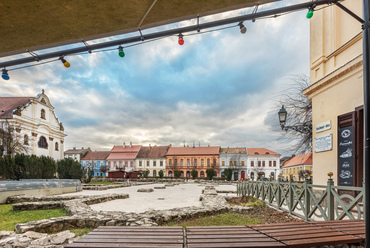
(186, 159)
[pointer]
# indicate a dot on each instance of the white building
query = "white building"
(152, 159)
(262, 163)
(235, 159)
(76, 154)
(37, 128)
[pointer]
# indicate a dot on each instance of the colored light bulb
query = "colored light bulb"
(65, 63)
(121, 53)
(309, 14)
(5, 75)
(181, 40)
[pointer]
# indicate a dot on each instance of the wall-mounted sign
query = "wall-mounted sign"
(323, 126)
(323, 143)
(345, 156)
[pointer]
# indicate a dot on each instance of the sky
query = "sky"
(217, 89)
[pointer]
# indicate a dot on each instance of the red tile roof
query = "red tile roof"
(127, 152)
(8, 104)
(299, 160)
(207, 150)
(96, 155)
(242, 150)
(260, 151)
(153, 152)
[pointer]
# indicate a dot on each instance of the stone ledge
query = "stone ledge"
(148, 190)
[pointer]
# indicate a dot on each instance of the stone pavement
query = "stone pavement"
(178, 196)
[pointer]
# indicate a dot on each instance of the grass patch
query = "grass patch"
(105, 183)
(227, 219)
(9, 218)
(81, 231)
(246, 201)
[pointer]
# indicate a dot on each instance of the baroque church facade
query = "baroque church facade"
(37, 129)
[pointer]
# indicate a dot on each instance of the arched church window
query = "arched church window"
(42, 142)
(25, 139)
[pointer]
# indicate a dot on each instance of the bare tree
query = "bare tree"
(10, 138)
(299, 117)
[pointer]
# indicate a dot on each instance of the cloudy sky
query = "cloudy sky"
(216, 89)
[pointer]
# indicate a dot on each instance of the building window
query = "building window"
(231, 163)
(161, 163)
(242, 163)
(195, 162)
(223, 162)
(208, 162)
(188, 162)
(154, 163)
(147, 163)
(175, 162)
(252, 163)
(259, 163)
(42, 114)
(170, 162)
(182, 162)
(202, 174)
(25, 140)
(270, 163)
(154, 173)
(56, 146)
(202, 162)
(274, 163)
(263, 163)
(126, 163)
(234, 163)
(140, 163)
(42, 142)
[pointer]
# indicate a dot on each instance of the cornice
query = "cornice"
(335, 75)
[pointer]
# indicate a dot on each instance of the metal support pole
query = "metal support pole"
(366, 71)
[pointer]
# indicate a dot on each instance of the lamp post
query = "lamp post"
(301, 128)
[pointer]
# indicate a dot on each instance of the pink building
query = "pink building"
(123, 157)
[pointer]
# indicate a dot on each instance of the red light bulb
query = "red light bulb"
(181, 40)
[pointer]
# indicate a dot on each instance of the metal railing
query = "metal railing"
(311, 202)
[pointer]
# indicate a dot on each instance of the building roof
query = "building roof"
(81, 151)
(124, 152)
(260, 151)
(207, 150)
(242, 150)
(9, 104)
(299, 160)
(96, 155)
(153, 152)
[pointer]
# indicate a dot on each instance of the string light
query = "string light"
(65, 62)
(181, 40)
(121, 53)
(243, 29)
(5, 75)
(310, 11)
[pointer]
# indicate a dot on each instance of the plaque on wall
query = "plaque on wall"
(323, 143)
(323, 126)
(345, 156)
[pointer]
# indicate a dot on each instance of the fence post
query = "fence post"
(290, 205)
(270, 192)
(253, 188)
(278, 197)
(307, 204)
(330, 199)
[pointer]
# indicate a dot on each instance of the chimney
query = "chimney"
(293, 155)
(150, 146)
(124, 144)
(130, 144)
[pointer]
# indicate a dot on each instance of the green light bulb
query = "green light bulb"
(309, 14)
(121, 53)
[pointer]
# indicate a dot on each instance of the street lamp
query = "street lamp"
(302, 128)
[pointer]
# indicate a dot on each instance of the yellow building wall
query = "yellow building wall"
(336, 76)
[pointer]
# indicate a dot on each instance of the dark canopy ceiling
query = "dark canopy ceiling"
(40, 24)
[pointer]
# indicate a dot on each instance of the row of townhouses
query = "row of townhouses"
(245, 162)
